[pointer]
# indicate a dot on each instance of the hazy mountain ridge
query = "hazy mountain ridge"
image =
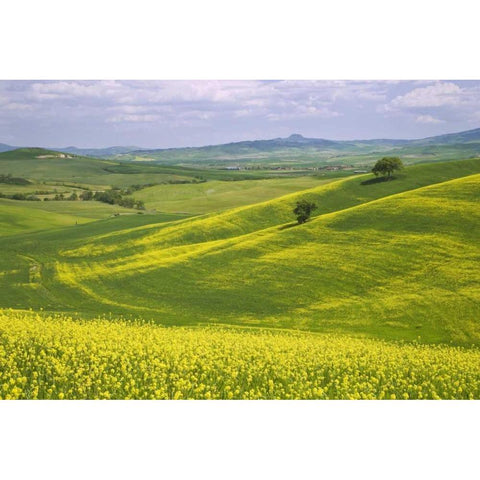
(6, 148)
(293, 145)
(297, 140)
(99, 152)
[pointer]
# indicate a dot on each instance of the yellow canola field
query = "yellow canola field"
(56, 357)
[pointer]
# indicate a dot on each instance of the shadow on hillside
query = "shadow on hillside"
(288, 225)
(371, 181)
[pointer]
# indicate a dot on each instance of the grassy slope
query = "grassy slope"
(37, 251)
(22, 216)
(329, 198)
(9, 189)
(400, 267)
(78, 170)
(218, 195)
(26, 163)
(17, 217)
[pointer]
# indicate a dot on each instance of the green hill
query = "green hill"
(399, 267)
(392, 259)
(41, 165)
(17, 217)
(20, 216)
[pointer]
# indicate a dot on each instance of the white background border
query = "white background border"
(239, 40)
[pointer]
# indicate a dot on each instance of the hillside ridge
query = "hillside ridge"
(295, 139)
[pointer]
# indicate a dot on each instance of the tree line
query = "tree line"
(112, 197)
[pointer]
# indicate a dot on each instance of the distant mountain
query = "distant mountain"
(298, 141)
(293, 141)
(295, 146)
(6, 148)
(99, 152)
(450, 138)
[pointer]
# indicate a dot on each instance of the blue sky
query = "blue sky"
(171, 113)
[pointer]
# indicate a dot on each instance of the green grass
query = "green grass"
(17, 217)
(400, 267)
(20, 216)
(30, 189)
(390, 259)
(26, 216)
(81, 171)
(217, 195)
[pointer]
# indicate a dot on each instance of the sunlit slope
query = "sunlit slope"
(331, 197)
(21, 216)
(41, 164)
(16, 217)
(49, 166)
(27, 263)
(244, 266)
(404, 266)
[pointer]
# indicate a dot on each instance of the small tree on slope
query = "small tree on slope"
(304, 210)
(386, 166)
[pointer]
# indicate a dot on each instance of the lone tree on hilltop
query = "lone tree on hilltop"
(304, 210)
(386, 166)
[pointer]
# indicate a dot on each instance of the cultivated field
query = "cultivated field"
(57, 357)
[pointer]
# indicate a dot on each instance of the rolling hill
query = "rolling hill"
(394, 260)
(19, 217)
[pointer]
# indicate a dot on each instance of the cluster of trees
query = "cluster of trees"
(113, 197)
(21, 196)
(134, 188)
(196, 179)
(61, 196)
(8, 179)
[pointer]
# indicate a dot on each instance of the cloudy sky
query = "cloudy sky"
(193, 113)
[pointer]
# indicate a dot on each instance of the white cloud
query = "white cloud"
(44, 91)
(438, 95)
(17, 106)
(275, 99)
(303, 112)
(428, 119)
(214, 110)
(438, 102)
(133, 118)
